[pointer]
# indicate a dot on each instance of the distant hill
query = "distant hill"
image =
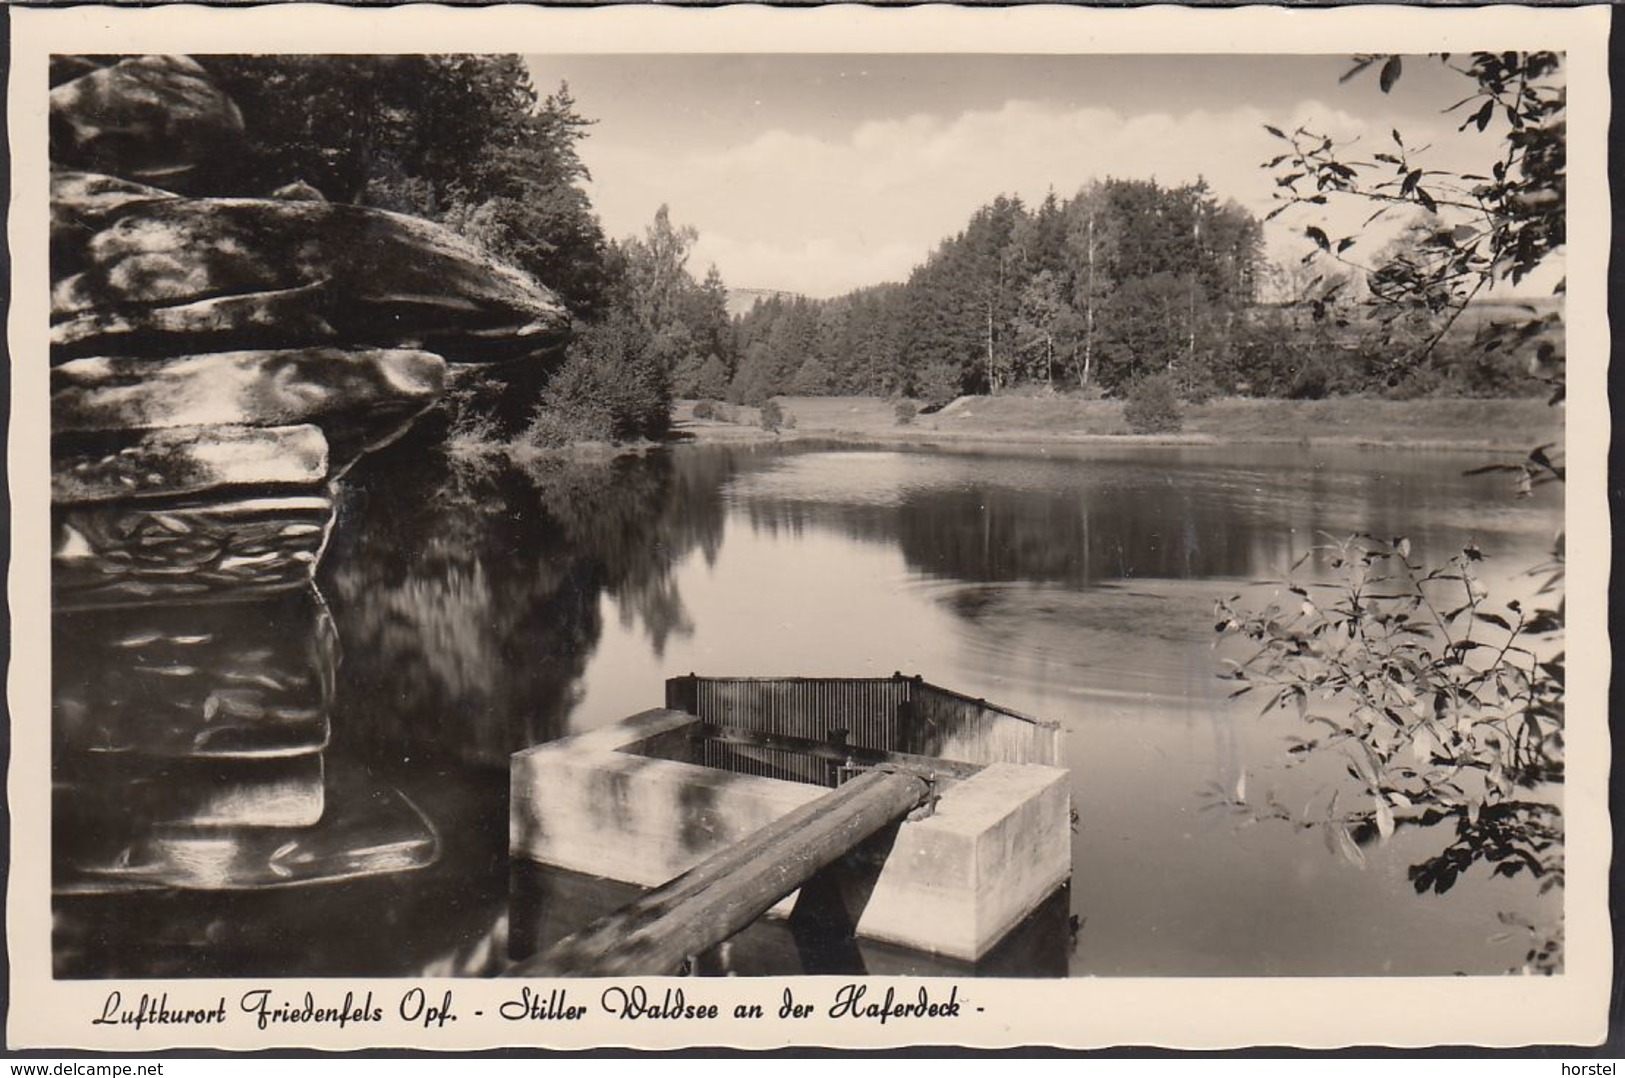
(741, 300)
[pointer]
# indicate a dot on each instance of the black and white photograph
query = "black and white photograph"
(572, 517)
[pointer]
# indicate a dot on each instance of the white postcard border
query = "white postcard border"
(1079, 1013)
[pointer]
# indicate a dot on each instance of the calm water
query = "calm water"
(480, 610)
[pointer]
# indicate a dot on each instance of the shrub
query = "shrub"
(1414, 383)
(610, 389)
(905, 411)
(1312, 381)
(1152, 406)
(937, 380)
(707, 409)
(551, 428)
(772, 416)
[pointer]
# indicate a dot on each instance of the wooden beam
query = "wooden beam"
(721, 895)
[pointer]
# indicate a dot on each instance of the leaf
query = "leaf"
(1411, 180)
(1241, 787)
(1329, 833)
(1276, 131)
(1427, 201)
(1347, 847)
(1359, 66)
(1364, 765)
(1397, 140)
(1385, 819)
(1494, 619)
(1543, 621)
(1390, 73)
(1319, 237)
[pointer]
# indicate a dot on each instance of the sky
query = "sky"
(822, 173)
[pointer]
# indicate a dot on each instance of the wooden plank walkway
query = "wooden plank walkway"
(721, 895)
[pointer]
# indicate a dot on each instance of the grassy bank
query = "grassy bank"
(1495, 425)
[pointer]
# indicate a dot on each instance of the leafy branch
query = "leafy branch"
(1443, 707)
(1473, 228)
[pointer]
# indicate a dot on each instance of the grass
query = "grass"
(1509, 425)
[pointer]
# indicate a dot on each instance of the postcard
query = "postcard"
(858, 527)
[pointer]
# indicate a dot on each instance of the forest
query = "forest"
(1124, 281)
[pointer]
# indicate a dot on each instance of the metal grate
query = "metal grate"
(895, 714)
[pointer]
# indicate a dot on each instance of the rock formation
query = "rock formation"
(218, 363)
(158, 119)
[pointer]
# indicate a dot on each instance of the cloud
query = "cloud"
(821, 215)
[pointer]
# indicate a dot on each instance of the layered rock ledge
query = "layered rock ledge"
(219, 361)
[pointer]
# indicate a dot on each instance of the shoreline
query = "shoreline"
(705, 434)
(1028, 423)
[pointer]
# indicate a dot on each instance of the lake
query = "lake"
(469, 609)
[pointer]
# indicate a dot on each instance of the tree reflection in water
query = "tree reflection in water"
(471, 600)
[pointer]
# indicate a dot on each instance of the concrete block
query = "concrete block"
(959, 880)
(954, 883)
(583, 804)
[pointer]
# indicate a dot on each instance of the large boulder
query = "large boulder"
(81, 204)
(157, 119)
(65, 67)
(188, 460)
(361, 398)
(292, 317)
(229, 548)
(193, 275)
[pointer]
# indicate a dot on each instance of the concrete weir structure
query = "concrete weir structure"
(649, 798)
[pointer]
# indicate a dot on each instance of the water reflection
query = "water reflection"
(196, 681)
(1160, 513)
(483, 608)
(190, 775)
(471, 599)
(549, 904)
(209, 757)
